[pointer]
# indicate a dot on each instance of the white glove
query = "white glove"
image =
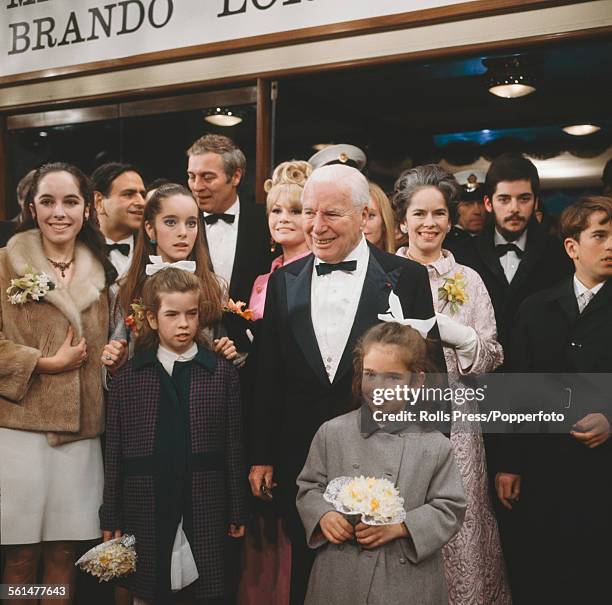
(459, 336)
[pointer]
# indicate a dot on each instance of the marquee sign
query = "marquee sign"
(50, 34)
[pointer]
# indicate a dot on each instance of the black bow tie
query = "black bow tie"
(211, 219)
(123, 248)
(326, 268)
(502, 249)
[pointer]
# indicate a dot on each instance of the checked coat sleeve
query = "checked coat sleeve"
(112, 504)
(235, 459)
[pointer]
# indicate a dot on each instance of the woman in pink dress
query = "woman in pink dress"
(266, 570)
(474, 565)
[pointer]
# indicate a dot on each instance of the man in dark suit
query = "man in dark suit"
(316, 309)
(514, 256)
(560, 485)
(236, 232)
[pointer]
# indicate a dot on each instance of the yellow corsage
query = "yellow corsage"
(453, 292)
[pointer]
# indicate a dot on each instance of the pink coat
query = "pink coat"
(257, 301)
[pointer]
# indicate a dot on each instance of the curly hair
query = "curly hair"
(287, 183)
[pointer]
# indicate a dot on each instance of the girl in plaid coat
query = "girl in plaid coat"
(174, 473)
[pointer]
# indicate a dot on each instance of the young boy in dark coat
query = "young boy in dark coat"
(175, 472)
(560, 484)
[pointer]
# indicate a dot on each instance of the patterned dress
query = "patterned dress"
(473, 560)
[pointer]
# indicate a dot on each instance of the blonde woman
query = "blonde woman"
(380, 225)
(284, 209)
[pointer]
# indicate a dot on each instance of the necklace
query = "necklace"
(61, 266)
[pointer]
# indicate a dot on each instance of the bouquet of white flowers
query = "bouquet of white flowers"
(31, 286)
(377, 501)
(110, 559)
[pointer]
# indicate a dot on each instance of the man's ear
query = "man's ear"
(364, 216)
(236, 178)
(488, 203)
(571, 247)
(99, 203)
(152, 320)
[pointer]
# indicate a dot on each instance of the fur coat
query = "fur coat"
(69, 405)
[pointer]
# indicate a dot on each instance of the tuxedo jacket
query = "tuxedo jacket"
(543, 265)
(294, 396)
(551, 336)
(252, 258)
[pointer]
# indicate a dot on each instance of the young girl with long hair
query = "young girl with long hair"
(170, 233)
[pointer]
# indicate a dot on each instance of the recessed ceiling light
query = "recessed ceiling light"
(580, 130)
(221, 116)
(43, 133)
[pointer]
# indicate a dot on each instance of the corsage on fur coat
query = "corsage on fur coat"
(68, 406)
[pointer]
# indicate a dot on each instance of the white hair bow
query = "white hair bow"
(395, 313)
(157, 264)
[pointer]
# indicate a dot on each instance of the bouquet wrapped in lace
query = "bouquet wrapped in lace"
(110, 559)
(377, 501)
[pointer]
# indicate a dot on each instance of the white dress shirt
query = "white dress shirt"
(183, 569)
(510, 261)
(333, 304)
(580, 290)
(222, 238)
(119, 261)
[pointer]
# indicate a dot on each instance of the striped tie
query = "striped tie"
(584, 299)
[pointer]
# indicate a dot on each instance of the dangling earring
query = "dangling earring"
(153, 242)
(272, 245)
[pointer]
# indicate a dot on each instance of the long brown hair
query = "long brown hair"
(417, 352)
(132, 284)
(168, 281)
(90, 234)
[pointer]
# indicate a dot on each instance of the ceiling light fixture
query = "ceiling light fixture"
(221, 116)
(581, 130)
(509, 77)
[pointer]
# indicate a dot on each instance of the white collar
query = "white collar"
(168, 358)
(360, 253)
(521, 242)
(580, 288)
(128, 240)
(233, 209)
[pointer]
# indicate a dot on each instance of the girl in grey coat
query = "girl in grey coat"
(388, 564)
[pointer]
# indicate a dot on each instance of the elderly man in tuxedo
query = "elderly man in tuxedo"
(316, 309)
